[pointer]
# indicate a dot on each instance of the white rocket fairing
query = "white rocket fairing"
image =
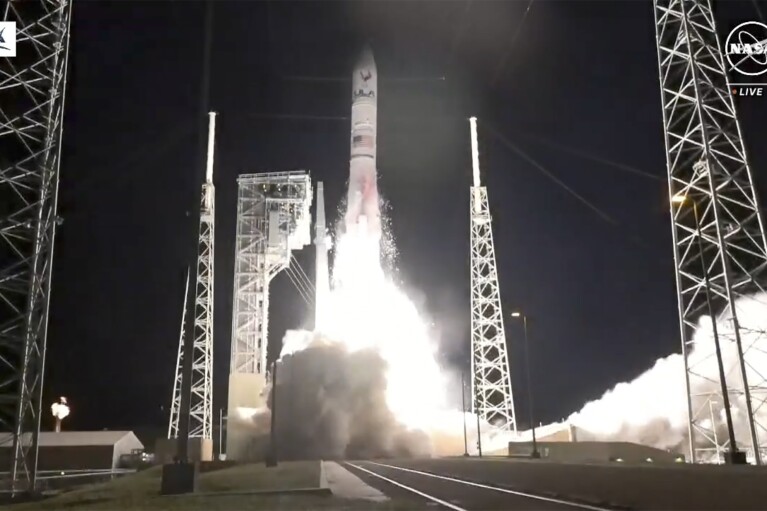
(322, 274)
(362, 202)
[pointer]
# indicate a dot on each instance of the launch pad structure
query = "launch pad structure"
(491, 393)
(720, 252)
(32, 90)
(273, 219)
(201, 403)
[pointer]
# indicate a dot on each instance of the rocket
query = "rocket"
(362, 212)
(322, 274)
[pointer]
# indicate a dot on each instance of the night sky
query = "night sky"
(580, 76)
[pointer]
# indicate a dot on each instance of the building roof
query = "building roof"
(72, 438)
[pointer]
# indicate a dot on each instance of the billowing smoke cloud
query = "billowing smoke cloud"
(652, 409)
(331, 404)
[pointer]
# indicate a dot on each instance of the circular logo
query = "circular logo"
(746, 48)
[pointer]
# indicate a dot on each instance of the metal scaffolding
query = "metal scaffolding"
(32, 87)
(491, 381)
(175, 404)
(273, 219)
(201, 405)
(719, 243)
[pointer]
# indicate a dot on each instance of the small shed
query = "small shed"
(76, 450)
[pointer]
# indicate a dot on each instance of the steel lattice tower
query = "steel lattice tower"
(491, 381)
(273, 219)
(201, 405)
(175, 404)
(32, 87)
(718, 234)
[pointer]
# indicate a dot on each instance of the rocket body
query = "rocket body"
(362, 212)
(322, 273)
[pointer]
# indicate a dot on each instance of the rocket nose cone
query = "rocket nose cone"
(366, 57)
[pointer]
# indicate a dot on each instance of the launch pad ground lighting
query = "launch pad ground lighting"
(273, 219)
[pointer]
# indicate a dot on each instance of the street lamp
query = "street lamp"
(735, 457)
(60, 411)
(517, 314)
(463, 404)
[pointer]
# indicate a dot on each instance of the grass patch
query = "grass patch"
(141, 491)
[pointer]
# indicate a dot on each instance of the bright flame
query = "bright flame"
(367, 310)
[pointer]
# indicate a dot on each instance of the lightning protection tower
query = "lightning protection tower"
(491, 381)
(273, 219)
(201, 405)
(720, 252)
(32, 86)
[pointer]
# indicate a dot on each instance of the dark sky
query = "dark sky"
(584, 75)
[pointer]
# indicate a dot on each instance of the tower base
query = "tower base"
(179, 478)
(200, 449)
(244, 432)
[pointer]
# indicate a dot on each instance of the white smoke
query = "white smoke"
(652, 409)
(370, 321)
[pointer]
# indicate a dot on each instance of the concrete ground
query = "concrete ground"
(418, 489)
(232, 488)
(394, 485)
(344, 484)
(660, 487)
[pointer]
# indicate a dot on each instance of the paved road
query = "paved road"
(680, 487)
(457, 494)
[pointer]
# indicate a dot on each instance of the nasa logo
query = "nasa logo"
(7, 38)
(365, 77)
(746, 48)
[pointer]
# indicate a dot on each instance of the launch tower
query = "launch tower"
(273, 219)
(720, 252)
(32, 87)
(491, 380)
(201, 404)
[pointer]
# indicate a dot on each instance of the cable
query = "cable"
(758, 11)
(298, 287)
(601, 214)
(569, 150)
(135, 166)
(306, 289)
(598, 159)
(302, 273)
(502, 63)
(299, 117)
(297, 284)
(583, 200)
(461, 29)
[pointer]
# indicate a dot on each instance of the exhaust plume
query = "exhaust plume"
(652, 409)
(331, 404)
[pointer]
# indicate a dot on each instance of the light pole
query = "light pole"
(463, 405)
(713, 429)
(60, 410)
(516, 314)
(735, 455)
